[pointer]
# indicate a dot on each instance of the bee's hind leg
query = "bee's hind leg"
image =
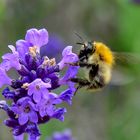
(96, 84)
(78, 87)
(81, 83)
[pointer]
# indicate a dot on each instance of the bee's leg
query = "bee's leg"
(85, 64)
(93, 85)
(78, 87)
(80, 81)
(81, 64)
(96, 83)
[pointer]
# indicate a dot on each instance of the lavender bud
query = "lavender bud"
(23, 71)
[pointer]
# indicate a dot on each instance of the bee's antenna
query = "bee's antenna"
(80, 43)
(79, 36)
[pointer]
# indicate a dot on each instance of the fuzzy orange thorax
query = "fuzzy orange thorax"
(104, 53)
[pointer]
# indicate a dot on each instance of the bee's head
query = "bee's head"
(86, 49)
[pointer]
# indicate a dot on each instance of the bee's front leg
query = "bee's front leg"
(81, 64)
(73, 63)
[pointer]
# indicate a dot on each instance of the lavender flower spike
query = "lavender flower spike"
(33, 100)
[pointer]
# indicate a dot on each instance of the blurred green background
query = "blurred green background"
(114, 114)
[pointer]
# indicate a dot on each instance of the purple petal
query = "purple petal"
(33, 106)
(11, 60)
(41, 107)
(71, 86)
(45, 92)
(23, 118)
(4, 106)
(16, 110)
(70, 73)
(57, 101)
(37, 96)
(42, 112)
(46, 106)
(20, 137)
(30, 90)
(23, 48)
(40, 83)
(4, 79)
(67, 96)
(12, 48)
(67, 51)
(5, 65)
(50, 110)
(57, 136)
(33, 137)
(65, 135)
(68, 57)
(68, 134)
(38, 38)
(33, 131)
(23, 101)
(59, 114)
(39, 89)
(2, 102)
(33, 117)
(54, 98)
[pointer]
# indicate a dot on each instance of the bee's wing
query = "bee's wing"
(121, 77)
(123, 73)
(126, 58)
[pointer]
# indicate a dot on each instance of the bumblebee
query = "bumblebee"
(98, 60)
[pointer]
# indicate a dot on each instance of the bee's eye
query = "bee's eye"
(82, 53)
(89, 47)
